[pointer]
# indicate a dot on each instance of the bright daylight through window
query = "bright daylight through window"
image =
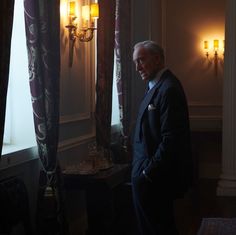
(19, 129)
(115, 118)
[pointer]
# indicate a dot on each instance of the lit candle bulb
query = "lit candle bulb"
(94, 12)
(71, 11)
(85, 15)
(216, 44)
(206, 47)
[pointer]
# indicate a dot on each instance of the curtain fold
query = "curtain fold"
(6, 21)
(105, 60)
(42, 22)
(123, 66)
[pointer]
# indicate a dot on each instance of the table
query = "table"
(99, 195)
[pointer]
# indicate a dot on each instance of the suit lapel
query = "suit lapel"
(146, 101)
(149, 95)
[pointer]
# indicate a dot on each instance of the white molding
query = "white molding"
(227, 182)
(199, 104)
(89, 80)
(206, 117)
(18, 157)
(74, 142)
(205, 123)
(206, 109)
(75, 117)
(226, 187)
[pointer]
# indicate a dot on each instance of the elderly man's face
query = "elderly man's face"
(146, 63)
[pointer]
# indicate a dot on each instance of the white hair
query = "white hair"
(151, 46)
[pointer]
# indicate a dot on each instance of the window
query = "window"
(19, 129)
(115, 118)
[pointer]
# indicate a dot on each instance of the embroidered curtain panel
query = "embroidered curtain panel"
(123, 66)
(42, 19)
(42, 22)
(6, 21)
(105, 60)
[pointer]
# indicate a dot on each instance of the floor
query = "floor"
(203, 203)
(200, 202)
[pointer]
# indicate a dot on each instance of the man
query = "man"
(162, 168)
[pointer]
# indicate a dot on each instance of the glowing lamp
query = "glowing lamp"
(85, 12)
(71, 9)
(94, 10)
(206, 45)
(216, 44)
(89, 14)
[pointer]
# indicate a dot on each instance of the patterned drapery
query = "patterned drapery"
(42, 22)
(6, 21)
(123, 65)
(105, 60)
(42, 19)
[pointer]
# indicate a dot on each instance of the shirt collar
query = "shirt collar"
(154, 81)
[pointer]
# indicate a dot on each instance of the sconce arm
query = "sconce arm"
(72, 31)
(86, 35)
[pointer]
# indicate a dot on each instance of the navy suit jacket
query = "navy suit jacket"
(161, 143)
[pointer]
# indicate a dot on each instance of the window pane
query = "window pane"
(115, 118)
(19, 128)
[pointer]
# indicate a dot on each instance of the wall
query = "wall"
(144, 13)
(188, 24)
(77, 98)
(181, 27)
(77, 104)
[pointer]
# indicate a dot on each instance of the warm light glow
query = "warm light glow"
(216, 44)
(63, 9)
(206, 45)
(94, 10)
(81, 24)
(213, 45)
(85, 12)
(71, 10)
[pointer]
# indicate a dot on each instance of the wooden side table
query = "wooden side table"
(99, 195)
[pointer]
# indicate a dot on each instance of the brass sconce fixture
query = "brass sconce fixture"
(89, 15)
(215, 48)
(214, 51)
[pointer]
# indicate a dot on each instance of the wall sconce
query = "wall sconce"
(85, 33)
(90, 14)
(213, 51)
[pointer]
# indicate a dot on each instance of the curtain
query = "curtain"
(43, 44)
(105, 59)
(42, 21)
(123, 66)
(6, 21)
